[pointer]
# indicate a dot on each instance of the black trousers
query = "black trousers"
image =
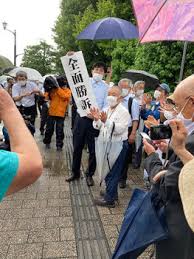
(44, 116)
(128, 159)
(30, 111)
(73, 114)
(39, 104)
(84, 133)
(138, 157)
(50, 127)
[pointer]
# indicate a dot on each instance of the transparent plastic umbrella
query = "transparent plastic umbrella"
(33, 74)
(3, 79)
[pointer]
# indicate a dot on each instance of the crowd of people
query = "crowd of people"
(124, 112)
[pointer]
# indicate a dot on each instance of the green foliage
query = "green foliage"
(71, 22)
(4, 63)
(162, 59)
(40, 57)
(123, 57)
(95, 50)
(64, 35)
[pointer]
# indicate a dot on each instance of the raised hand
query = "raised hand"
(103, 116)
(147, 99)
(179, 135)
(149, 149)
(151, 121)
(95, 114)
(161, 144)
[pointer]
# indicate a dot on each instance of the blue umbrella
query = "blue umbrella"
(143, 224)
(108, 29)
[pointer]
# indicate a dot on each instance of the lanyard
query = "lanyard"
(111, 112)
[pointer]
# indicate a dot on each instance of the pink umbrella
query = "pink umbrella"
(160, 20)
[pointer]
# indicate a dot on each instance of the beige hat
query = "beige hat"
(170, 99)
(186, 189)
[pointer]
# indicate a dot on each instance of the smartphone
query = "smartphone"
(160, 132)
(145, 136)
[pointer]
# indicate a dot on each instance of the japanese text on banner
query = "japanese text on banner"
(79, 81)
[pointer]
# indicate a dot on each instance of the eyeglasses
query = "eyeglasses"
(177, 108)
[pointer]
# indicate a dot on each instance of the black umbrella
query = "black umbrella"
(151, 81)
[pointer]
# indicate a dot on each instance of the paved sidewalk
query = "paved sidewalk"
(52, 219)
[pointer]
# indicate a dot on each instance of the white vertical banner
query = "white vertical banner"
(79, 82)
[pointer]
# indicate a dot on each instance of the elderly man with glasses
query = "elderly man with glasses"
(179, 245)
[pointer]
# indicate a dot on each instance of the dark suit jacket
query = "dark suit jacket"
(169, 183)
(180, 244)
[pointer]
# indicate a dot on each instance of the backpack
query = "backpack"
(130, 102)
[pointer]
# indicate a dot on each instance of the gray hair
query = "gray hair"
(126, 80)
(22, 74)
(139, 83)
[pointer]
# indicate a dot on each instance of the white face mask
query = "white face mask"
(97, 77)
(139, 93)
(157, 94)
(169, 115)
(125, 92)
(22, 83)
(132, 94)
(112, 101)
(189, 124)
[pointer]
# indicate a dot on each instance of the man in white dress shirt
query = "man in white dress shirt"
(23, 93)
(117, 115)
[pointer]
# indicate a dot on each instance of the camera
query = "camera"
(160, 132)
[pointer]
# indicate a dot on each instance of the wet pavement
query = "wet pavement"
(54, 219)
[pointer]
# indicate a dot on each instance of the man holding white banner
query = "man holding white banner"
(87, 93)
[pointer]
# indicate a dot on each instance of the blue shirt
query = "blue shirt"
(153, 111)
(100, 91)
(135, 108)
(9, 163)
